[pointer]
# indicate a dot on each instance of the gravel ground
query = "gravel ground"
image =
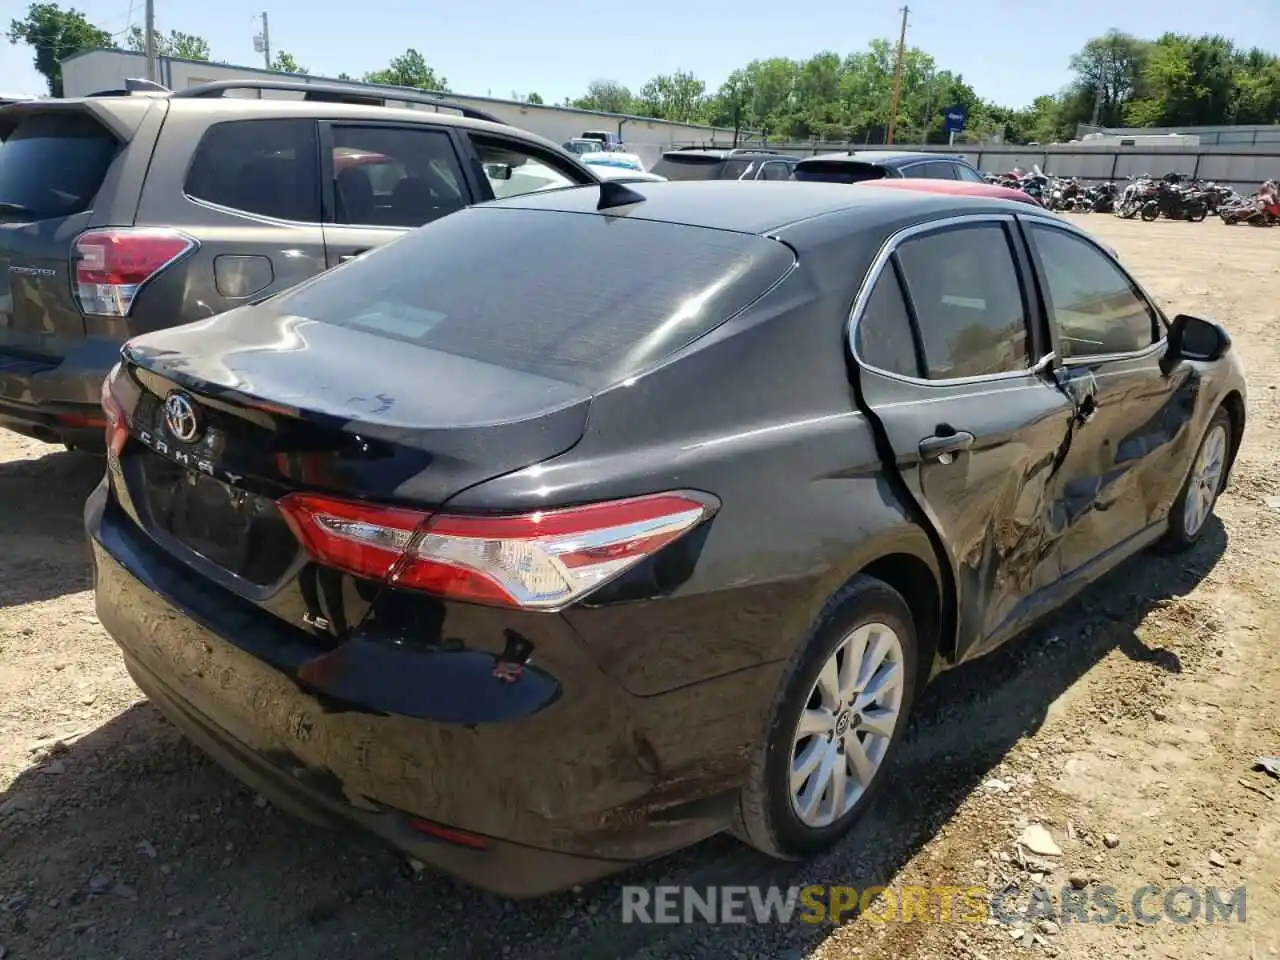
(1126, 726)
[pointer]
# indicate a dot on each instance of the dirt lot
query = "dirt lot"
(1127, 727)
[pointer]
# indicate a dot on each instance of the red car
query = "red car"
(953, 187)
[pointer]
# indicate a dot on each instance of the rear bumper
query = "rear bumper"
(562, 791)
(57, 401)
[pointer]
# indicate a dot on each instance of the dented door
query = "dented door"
(1129, 451)
(949, 343)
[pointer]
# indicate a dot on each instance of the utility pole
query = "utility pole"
(928, 111)
(149, 32)
(897, 76)
(1097, 107)
(266, 41)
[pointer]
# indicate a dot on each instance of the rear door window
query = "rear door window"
(389, 176)
(935, 170)
(883, 338)
(968, 301)
(582, 299)
(266, 167)
(965, 172)
(52, 166)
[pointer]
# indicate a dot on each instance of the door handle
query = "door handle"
(944, 447)
(348, 257)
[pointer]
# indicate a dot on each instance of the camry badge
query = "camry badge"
(181, 417)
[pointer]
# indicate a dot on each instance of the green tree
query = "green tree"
(409, 70)
(283, 62)
(173, 44)
(534, 98)
(55, 34)
(606, 96)
(678, 96)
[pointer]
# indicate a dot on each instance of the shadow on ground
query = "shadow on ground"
(129, 843)
(41, 517)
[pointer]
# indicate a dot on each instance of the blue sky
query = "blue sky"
(556, 47)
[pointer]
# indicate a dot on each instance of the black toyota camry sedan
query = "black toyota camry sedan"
(574, 528)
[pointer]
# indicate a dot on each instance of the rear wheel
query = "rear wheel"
(1150, 210)
(1197, 212)
(1191, 511)
(837, 718)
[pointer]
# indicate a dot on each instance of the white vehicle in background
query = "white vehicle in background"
(612, 158)
(512, 180)
(627, 175)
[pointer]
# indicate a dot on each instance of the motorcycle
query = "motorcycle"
(1134, 196)
(1175, 201)
(1101, 198)
(1260, 210)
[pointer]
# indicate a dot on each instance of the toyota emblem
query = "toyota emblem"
(181, 417)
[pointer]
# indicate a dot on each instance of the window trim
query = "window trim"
(1042, 282)
(328, 186)
(886, 254)
(317, 128)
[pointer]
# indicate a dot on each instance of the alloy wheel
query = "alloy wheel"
(1206, 476)
(847, 724)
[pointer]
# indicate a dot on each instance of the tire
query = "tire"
(1197, 212)
(768, 817)
(1183, 533)
(1150, 210)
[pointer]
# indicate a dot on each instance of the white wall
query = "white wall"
(108, 69)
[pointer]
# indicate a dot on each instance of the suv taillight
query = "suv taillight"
(541, 560)
(111, 265)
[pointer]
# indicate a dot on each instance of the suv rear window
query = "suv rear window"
(679, 166)
(581, 299)
(267, 167)
(838, 171)
(52, 165)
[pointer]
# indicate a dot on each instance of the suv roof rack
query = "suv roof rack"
(752, 150)
(335, 93)
(134, 85)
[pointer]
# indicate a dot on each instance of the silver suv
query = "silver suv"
(138, 209)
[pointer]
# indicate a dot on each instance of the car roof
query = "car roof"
(722, 153)
(882, 158)
(952, 187)
(770, 206)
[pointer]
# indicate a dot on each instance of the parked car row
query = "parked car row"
(582, 524)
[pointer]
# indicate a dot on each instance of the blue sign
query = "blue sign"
(953, 119)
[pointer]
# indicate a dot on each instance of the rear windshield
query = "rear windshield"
(51, 165)
(576, 297)
(675, 166)
(837, 171)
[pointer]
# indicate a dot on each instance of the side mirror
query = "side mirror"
(1193, 338)
(498, 171)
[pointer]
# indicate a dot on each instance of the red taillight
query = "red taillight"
(538, 560)
(117, 420)
(111, 265)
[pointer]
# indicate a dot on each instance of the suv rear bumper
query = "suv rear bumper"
(57, 401)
